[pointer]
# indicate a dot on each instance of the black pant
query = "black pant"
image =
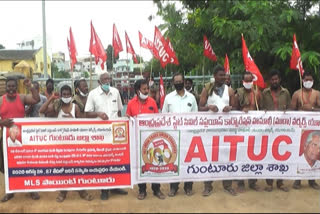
(251, 182)
(154, 187)
(309, 181)
(270, 182)
(187, 185)
(227, 184)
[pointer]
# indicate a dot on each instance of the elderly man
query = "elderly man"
(105, 102)
(12, 139)
(12, 106)
(179, 101)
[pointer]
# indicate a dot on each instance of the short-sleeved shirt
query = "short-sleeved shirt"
(135, 107)
(99, 101)
(177, 104)
(276, 101)
(36, 107)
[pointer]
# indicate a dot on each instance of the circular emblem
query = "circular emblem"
(159, 149)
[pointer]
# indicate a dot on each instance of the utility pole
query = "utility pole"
(45, 66)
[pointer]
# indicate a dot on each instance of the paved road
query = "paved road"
(296, 201)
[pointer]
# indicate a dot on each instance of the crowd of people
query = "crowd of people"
(105, 102)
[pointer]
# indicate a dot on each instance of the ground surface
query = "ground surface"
(297, 201)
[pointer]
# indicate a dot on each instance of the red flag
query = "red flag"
(295, 61)
(160, 48)
(207, 49)
(96, 48)
(144, 42)
(130, 49)
(226, 65)
(162, 92)
(116, 42)
(172, 54)
(72, 50)
(251, 66)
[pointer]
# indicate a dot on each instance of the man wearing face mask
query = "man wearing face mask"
(306, 99)
(143, 104)
(275, 98)
(82, 92)
(179, 101)
(188, 84)
(62, 107)
(105, 102)
(12, 106)
(248, 99)
(217, 97)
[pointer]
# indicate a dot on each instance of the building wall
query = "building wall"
(39, 63)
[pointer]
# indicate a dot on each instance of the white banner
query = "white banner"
(236, 145)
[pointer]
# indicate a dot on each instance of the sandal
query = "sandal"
(283, 188)
(7, 197)
(255, 187)
(85, 195)
(241, 189)
(231, 191)
(142, 195)
(268, 189)
(35, 196)
(61, 197)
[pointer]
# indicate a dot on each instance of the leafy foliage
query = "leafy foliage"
(267, 26)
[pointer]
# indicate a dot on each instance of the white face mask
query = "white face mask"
(212, 80)
(82, 94)
(307, 84)
(66, 100)
(142, 96)
(189, 89)
(247, 85)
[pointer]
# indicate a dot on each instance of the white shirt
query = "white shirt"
(99, 101)
(16, 143)
(72, 112)
(177, 104)
(305, 168)
(220, 102)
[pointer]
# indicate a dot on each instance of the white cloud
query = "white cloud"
(23, 20)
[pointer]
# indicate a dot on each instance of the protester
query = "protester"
(306, 99)
(81, 94)
(49, 88)
(179, 101)
(105, 102)
(217, 97)
(12, 106)
(248, 99)
(228, 80)
(275, 98)
(188, 84)
(143, 104)
(33, 110)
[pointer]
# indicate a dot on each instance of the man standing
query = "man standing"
(275, 98)
(188, 84)
(33, 110)
(306, 99)
(248, 99)
(12, 106)
(105, 102)
(217, 97)
(143, 104)
(82, 92)
(49, 88)
(179, 101)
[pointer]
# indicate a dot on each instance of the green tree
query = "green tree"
(268, 28)
(2, 47)
(57, 73)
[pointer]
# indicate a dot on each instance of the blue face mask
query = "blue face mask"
(105, 87)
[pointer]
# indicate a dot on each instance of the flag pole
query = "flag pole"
(203, 61)
(300, 85)
(128, 77)
(151, 69)
(90, 71)
(255, 97)
(140, 62)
